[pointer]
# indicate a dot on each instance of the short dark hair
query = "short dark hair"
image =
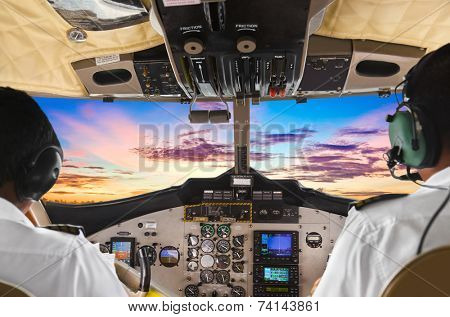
(429, 89)
(24, 131)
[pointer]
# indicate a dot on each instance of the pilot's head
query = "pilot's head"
(428, 89)
(30, 153)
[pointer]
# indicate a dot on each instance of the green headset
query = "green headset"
(415, 140)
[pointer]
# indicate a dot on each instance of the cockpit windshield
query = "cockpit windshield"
(126, 148)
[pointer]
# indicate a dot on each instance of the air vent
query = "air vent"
(370, 68)
(112, 77)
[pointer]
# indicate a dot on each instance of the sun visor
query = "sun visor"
(36, 53)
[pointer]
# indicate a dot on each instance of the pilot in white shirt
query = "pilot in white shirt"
(48, 263)
(379, 239)
(39, 261)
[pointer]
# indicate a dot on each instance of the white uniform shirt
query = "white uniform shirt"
(378, 240)
(49, 263)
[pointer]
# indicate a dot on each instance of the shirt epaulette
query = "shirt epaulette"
(365, 202)
(71, 229)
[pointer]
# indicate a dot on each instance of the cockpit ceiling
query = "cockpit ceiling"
(420, 23)
(36, 55)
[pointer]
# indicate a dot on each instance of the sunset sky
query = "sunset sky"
(122, 149)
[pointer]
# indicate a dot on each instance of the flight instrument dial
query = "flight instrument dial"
(192, 240)
(238, 267)
(224, 231)
(238, 241)
(192, 266)
(223, 261)
(207, 276)
(207, 260)
(223, 246)
(192, 253)
(238, 291)
(207, 230)
(208, 246)
(237, 253)
(223, 277)
(191, 291)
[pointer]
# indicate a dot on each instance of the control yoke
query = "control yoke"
(144, 256)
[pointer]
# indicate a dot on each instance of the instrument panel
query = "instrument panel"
(221, 256)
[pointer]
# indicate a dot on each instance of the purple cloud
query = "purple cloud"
(196, 150)
(337, 147)
(189, 133)
(360, 131)
(296, 135)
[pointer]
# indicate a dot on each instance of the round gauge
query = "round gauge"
(192, 266)
(192, 253)
(207, 276)
(224, 231)
(207, 230)
(207, 261)
(169, 256)
(223, 277)
(151, 252)
(223, 246)
(314, 240)
(237, 253)
(104, 248)
(208, 246)
(238, 241)
(223, 261)
(238, 267)
(191, 291)
(192, 240)
(238, 291)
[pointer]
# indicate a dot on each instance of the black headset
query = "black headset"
(38, 174)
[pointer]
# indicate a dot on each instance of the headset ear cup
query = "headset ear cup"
(430, 138)
(401, 135)
(41, 175)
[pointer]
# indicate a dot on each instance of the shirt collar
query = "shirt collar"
(441, 178)
(10, 212)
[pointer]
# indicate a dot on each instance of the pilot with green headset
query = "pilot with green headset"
(383, 234)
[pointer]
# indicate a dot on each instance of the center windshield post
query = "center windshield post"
(241, 109)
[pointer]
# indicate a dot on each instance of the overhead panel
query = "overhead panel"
(236, 48)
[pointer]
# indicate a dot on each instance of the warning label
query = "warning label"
(179, 3)
(108, 59)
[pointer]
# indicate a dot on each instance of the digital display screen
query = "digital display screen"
(122, 250)
(276, 245)
(271, 289)
(276, 274)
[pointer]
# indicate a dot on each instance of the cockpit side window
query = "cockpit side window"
(99, 15)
